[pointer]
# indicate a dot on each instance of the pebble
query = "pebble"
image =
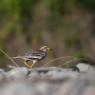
(17, 73)
(47, 81)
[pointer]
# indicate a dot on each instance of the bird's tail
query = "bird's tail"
(17, 57)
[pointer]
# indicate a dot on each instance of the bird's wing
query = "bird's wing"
(35, 55)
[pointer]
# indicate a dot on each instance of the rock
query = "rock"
(17, 88)
(47, 81)
(17, 73)
(84, 67)
(2, 75)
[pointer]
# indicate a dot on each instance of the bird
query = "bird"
(34, 56)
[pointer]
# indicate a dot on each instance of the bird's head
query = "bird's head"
(45, 48)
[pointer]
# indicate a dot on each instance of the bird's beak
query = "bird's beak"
(49, 49)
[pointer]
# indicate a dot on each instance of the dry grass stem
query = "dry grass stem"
(9, 57)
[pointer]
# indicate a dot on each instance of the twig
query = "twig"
(68, 62)
(11, 66)
(9, 57)
(63, 57)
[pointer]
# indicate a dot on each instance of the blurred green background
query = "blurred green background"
(66, 26)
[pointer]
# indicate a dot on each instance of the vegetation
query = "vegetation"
(68, 26)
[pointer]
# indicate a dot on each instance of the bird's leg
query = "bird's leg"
(28, 65)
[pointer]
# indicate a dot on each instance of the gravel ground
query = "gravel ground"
(47, 81)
